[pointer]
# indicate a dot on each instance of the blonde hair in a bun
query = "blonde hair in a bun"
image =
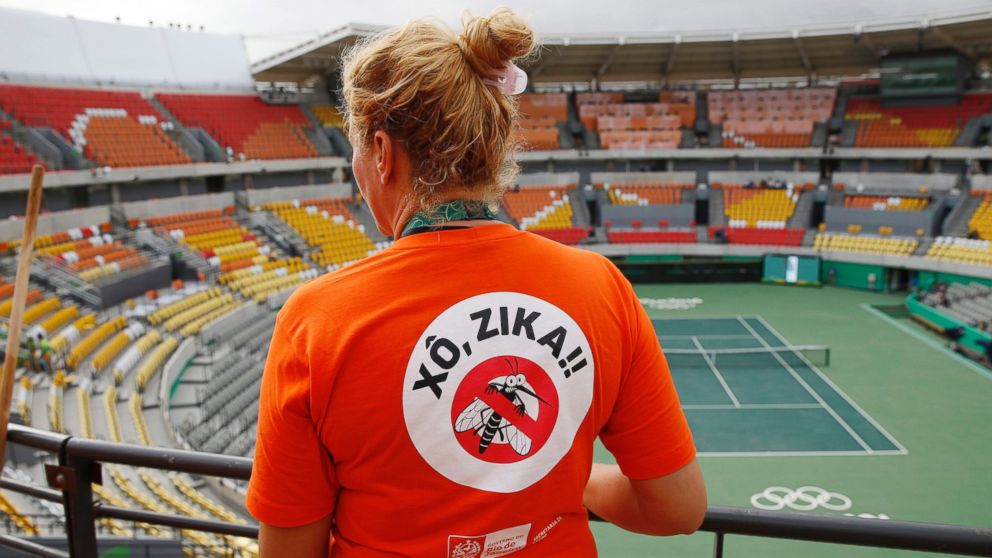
(423, 84)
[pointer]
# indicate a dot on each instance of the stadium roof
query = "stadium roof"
(835, 50)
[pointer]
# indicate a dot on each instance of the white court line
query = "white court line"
(663, 336)
(753, 406)
(722, 317)
(929, 341)
(845, 453)
(719, 376)
(902, 450)
(809, 389)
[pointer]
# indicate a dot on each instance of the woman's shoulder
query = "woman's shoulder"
(337, 292)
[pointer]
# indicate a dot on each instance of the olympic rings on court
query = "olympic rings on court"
(804, 498)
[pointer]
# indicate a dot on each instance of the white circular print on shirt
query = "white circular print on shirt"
(495, 390)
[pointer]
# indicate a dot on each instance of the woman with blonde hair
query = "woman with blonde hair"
(442, 398)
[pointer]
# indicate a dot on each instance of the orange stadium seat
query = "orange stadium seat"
(245, 123)
(913, 126)
(115, 128)
(770, 118)
(543, 105)
(545, 210)
(886, 203)
(645, 194)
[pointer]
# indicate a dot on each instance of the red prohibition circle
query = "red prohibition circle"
(485, 412)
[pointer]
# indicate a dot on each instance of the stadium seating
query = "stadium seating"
(13, 158)
(913, 126)
(85, 417)
(245, 123)
(126, 362)
(72, 333)
(835, 242)
(537, 133)
(113, 347)
(539, 207)
(94, 339)
(261, 281)
(23, 523)
(759, 235)
(153, 362)
(653, 236)
(757, 206)
(645, 194)
(328, 115)
(968, 303)
(94, 258)
(963, 250)
(62, 241)
(543, 105)
(115, 128)
(637, 125)
(886, 203)
(211, 234)
(769, 117)
(34, 295)
(539, 115)
(119, 141)
(329, 226)
(981, 220)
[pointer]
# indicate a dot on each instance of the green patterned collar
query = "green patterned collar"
(457, 210)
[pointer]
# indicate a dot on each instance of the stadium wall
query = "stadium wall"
(854, 275)
(53, 222)
(903, 223)
(926, 279)
(69, 50)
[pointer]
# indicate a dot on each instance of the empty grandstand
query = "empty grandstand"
(183, 209)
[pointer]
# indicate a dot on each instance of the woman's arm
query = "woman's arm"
(674, 504)
(306, 541)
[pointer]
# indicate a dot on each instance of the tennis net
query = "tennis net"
(796, 355)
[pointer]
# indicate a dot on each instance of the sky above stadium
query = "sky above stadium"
(272, 25)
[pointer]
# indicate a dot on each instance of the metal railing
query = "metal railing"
(79, 462)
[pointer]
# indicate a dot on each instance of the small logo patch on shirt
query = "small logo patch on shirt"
(495, 544)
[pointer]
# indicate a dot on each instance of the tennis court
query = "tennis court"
(747, 391)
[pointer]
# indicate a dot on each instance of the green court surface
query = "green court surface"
(895, 426)
(755, 402)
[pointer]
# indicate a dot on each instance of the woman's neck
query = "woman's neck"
(453, 212)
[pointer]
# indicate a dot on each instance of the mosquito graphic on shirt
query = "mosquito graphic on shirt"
(490, 425)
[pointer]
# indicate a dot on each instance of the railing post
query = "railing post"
(75, 476)
(718, 545)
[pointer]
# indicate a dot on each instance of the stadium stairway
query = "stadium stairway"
(580, 211)
(820, 134)
(194, 141)
(315, 122)
(339, 141)
(717, 217)
(182, 136)
(803, 213)
(972, 129)
(46, 138)
(316, 134)
(33, 143)
(849, 133)
(956, 223)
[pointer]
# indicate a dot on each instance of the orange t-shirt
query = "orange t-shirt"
(442, 398)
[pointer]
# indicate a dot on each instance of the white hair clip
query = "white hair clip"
(513, 80)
